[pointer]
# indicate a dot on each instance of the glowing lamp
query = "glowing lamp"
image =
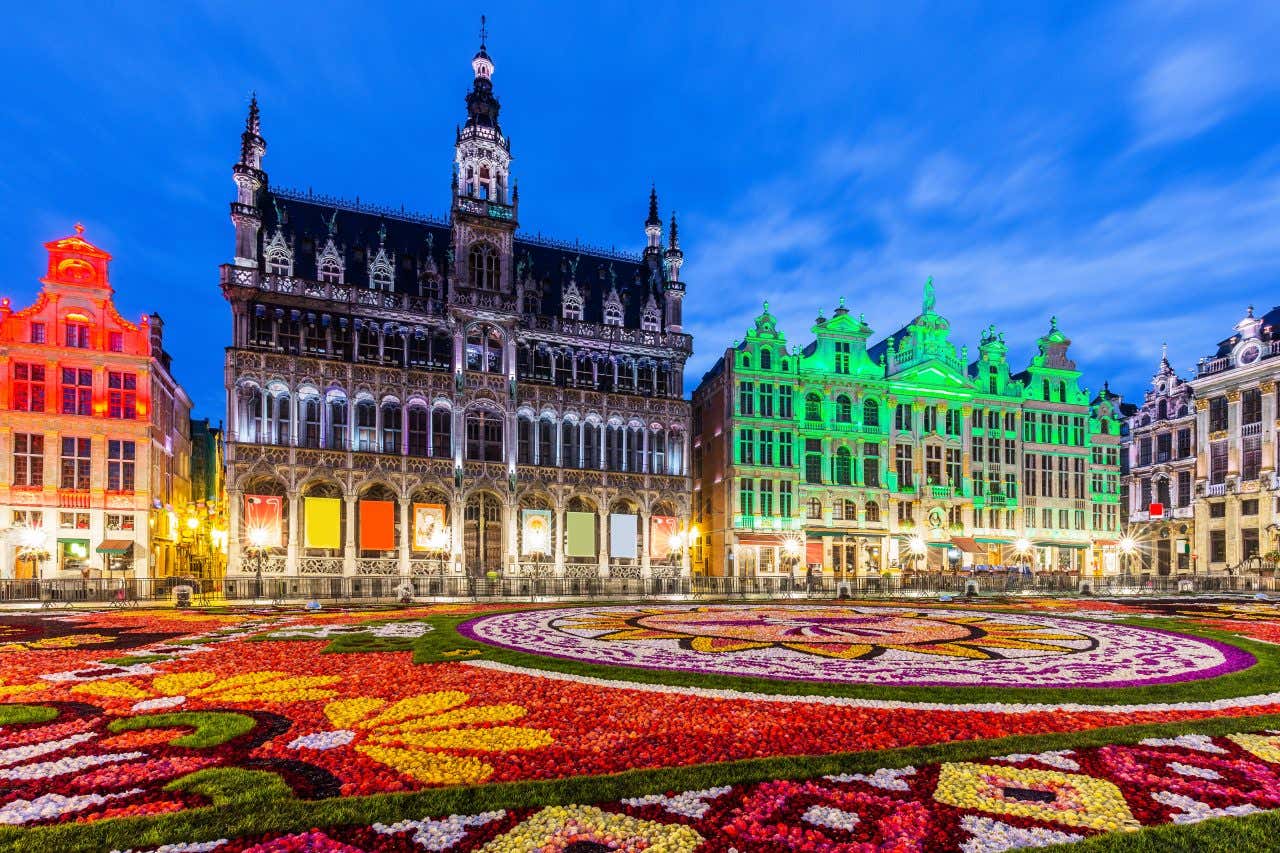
(918, 546)
(1128, 545)
(674, 541)
(193, 523)
(1022, 545)
(792, 546)
(259, 536)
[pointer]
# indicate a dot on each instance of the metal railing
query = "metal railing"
(386, 589)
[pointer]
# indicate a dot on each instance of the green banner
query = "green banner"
(580, 534)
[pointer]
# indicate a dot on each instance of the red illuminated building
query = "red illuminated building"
(94, 430)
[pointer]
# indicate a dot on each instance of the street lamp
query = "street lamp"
(918, 548)
(258, 539)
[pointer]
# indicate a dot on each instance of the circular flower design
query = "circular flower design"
(878, 645)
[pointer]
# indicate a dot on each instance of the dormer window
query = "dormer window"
(613, 314)
(279, 256)
(330, 272)
(572, 308)
(650, 320)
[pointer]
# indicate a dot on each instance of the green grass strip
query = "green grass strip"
(130, 660)
(1255, 832)
(272, 814)
(211, 727)
(14, 715)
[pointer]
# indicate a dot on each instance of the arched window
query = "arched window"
(784, 365)
(873, 511)
(746, 359)
(546, 441)
(418, 431)
(338, 424)
(484, 349)
(483, 266)
(484, 436)
(366, 424)
(283, 414)
(1162, 410)
(812, 407)
(570, 444)
(309, 435)
(844, 409)
(766, 360)
(870, 413)
(380, 277)
(524, 441)
(843, 469)
(441, 432)
(1044, 389)
(391, 427)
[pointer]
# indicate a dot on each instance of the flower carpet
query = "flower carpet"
(817, 726)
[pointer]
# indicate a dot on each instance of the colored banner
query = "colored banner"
(323, 520)
(580, 534)
(430, 532)
(377, 526)
(661, 530)
(622, 535)
(262, 514)
(535, 531)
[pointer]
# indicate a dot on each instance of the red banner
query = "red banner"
(377, 526)
(262, 514)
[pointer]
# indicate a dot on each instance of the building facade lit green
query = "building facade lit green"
(853, 458)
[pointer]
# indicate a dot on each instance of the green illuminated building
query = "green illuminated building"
(901, 456)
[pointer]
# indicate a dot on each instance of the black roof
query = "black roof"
(1269, 331)
(416, 240)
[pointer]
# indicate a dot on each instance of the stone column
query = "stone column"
(349, 546)
(404, 537)
(235, 529)
(602, 545)
(292, 548)
(559, 539)
(646, 567)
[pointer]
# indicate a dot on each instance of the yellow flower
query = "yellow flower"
(167, 691)
(14, 689)
(416, 736)
(68, 641)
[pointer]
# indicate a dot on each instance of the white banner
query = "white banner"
(623, 536)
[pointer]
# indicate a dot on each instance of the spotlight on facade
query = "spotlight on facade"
(918, 545)
(792, 546)
(1128, 544)
(1022, 545)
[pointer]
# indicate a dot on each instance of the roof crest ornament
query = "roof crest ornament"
(930, 298)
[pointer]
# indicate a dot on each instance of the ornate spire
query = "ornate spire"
(482, 106)
(653, 219)
(673, 257)
(675, 237)
(252, 145)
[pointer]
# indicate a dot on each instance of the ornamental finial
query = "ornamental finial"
(79, 229)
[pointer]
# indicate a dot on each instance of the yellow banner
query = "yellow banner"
(323, 520)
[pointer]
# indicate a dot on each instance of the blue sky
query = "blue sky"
(1115, 164)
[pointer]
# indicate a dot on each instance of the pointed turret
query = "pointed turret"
(673, 300)
(653, 231)
(250, 180)
(673, 256)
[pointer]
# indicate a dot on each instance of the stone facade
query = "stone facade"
(380, 355)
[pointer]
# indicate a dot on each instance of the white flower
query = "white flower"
(994, 836)
(1200, 743)
(1054, 758)
(1192, 770)
(32, 750)
(50, 806)
(439, 834)
(1194, 811)
(400, 630)
(323, 740)
(63, 766)
(159, 704)
(890, 779)
(689, 804)
(831, 818)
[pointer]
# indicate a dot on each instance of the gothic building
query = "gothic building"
(419, 396)
(907, 455)
(1161, 451)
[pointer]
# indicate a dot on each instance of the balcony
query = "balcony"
(73, 498)
(1248, 430)
(1184, 512)
(1215, 490)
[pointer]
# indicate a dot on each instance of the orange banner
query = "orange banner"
(661, 529)
(262, 514)
(377, 526)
